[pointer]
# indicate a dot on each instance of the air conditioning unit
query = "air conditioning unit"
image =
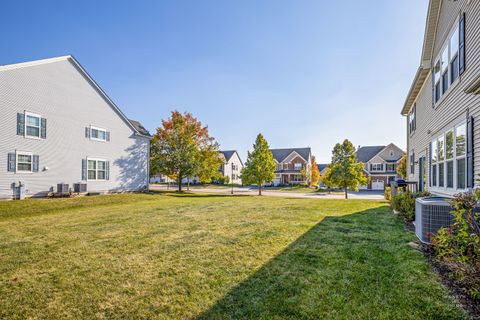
(431, 214)
(80, 187)
(62, 188)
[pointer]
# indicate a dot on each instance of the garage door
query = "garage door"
(378, 185)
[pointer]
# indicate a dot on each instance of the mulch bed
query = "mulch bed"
(455, 287)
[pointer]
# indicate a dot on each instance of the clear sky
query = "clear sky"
(303, 73)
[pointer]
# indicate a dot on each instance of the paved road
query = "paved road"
(366, 195)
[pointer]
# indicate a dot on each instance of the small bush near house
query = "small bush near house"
(458, 247)
(388, 193)
(223, 180)
(404, 203)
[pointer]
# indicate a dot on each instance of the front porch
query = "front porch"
(290, 178)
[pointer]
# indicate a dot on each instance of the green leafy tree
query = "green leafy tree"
(210, 161)
(402, 167)
(327, 178)
(260, 166)
(182, 147)
(346, 171)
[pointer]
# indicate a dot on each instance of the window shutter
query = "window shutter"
(433, 86)
(430, 164)
(43, 128)
(107, 170)
(84, 169)
(415, 117)
(108, 135)
(12, 161)
(36, 163)
(371, 166)
(461, 48)
(470, 169)
(21, 124)
(87, 132)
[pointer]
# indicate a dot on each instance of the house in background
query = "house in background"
(380, 164)
(322, 168)
(291, 164)
(233, 166)
(443, 104)
(60, 127)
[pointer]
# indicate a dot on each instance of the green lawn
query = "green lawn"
(212, 257)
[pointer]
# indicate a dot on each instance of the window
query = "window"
(98, 134)
(412, 123)
(32, 125)
(390, 167)
(97, 169)
(376, 167)
(297, 166)
(24, 162)
(447, 66)
(448, 165)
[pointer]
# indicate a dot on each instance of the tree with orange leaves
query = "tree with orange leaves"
(182, 148)
(315, 173)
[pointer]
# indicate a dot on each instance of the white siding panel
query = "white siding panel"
(69, 102)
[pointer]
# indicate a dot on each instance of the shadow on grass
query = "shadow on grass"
(355, 266)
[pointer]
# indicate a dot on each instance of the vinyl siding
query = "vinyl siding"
(453, 107)
(59, 92)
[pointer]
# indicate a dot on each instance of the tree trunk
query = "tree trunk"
(259, 189)
(179, 184)
(346, 193)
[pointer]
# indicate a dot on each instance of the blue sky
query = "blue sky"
(303, 73)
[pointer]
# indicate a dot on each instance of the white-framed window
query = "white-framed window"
(448, 164)
(98, 134)
(297, 166)
(376, 167)
(32, 125)
(412, 122)
(447, 64)
(390, 167)
(24, 162)
(285, 166)
(96, 169)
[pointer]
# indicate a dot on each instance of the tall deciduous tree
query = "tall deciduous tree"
(182, 147)
(315, 173)
(346, 171)
(260, 166)
(402, 167)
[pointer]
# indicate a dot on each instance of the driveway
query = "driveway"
(363, 194)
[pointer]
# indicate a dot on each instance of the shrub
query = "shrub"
(404, 203)
(388, 193)
(459, 245)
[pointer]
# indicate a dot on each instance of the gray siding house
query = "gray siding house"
(443, 104)
(58, 126)
(291, 163)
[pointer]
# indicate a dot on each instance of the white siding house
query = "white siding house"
(233, 166)
(58, 126)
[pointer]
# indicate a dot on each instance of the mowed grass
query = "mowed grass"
(164, 256)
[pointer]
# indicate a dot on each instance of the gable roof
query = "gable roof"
(137, 127)
(228, 154)
(423, 70)
(364, 154)
(281, 154)
(322, 166)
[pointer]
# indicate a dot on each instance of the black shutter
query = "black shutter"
(470, 168)
(84, 169)
(87, 132)
(371, 166)
(461, 48)
(36, 163)
(415, 117)
(433, 86)
(107, 134)
(21, 124)
(107, 170)
(12, 161)
(43, 128)
(430, 164)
